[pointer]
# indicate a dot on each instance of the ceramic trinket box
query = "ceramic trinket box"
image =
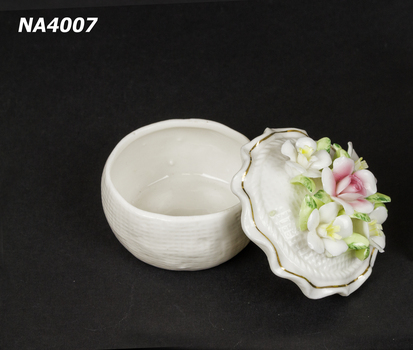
(311, 206)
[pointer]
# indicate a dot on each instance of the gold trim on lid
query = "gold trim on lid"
(275, 249)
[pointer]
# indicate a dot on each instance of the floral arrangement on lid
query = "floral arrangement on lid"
(343, 210)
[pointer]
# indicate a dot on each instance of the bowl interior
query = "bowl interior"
(179, 171)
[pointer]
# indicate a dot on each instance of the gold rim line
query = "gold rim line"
(275, 249)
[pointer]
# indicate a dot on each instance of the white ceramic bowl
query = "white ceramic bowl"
(166, 194)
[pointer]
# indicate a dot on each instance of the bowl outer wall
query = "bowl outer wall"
(173, 242)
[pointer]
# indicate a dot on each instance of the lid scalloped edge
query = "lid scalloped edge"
(280, 264)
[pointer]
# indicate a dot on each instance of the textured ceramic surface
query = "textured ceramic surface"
(270, 210)
(166, 194)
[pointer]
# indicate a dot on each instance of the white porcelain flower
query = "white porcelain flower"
(326, 230)
(373, 230)
(304, 158)
(351, 152)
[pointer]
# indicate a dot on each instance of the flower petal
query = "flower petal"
(347, 207)
(302, 160)
(355, 186)
(328, 212)
(351, 152)
(335, 247)
(365, 229)
(329, 184)
(368, 180)
(342, 167)
(315, 242)
(349, 197)
(313, 220)
(362, 206)
(342, 184)
(346, 225)
(293, 169)
(306, 141)
(289, 150)
(323, 160)
(379, 214)
(350, 148)
(378, 242)
(312, 173)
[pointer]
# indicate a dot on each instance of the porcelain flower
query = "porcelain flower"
(373, 230)
(359, 163)
(348, 187)
(326, 230)
(351, 152)
(304, 158)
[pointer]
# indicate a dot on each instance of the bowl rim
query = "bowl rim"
(162, 125)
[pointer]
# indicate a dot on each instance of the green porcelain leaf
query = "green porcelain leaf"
(324, 144)
(318, 202)
(362, 254)
(307, 206)
(361, 216)
(305, 181)
(379, 198)
(340, 152)
(323, 196)
(357, 241)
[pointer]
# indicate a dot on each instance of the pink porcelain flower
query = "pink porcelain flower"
(349, 187)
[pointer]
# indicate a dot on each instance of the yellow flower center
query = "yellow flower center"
(329, 231)
(375, 229)
(307, 151)
(360, 164)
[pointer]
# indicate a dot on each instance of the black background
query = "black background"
(342, 69)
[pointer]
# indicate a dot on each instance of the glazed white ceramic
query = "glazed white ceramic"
(270, 208)
(166, 194)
